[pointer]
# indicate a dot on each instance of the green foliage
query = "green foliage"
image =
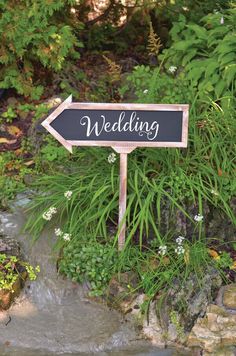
(153, 86)
(90, 262)
(10, 271)
(34, 41)
(9, 115)
(52, 151)
(205, 53)
(224, 260)
(12, 172)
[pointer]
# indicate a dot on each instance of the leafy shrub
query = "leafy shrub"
(34, 43)
(89, 262)
(206, 53)
(11, 268)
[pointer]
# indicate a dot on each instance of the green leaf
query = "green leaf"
(211, 67)
(220, 86)
(189, 56)
(230, 73)
(225, 59)
(200, 31)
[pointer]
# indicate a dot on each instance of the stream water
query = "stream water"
(53, 315)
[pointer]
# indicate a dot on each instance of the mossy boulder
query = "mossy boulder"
(8, 248)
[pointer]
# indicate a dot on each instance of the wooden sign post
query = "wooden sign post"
(123, 127)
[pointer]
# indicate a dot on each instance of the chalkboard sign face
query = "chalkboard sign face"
(122, 125)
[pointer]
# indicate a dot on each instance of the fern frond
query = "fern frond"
(154, 42)
(114, 69)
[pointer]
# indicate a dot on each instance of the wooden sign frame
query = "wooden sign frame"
(121, 147)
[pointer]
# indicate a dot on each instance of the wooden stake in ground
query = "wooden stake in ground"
(123, 151)
(122, 199)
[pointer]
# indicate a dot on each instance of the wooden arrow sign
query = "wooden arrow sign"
(122, 127)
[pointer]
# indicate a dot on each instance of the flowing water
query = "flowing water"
(53, 315)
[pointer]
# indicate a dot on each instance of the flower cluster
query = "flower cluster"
(68, 194)
(47, 215)
(198, 218)
(214, 192)
(111, 158)
(60, 233)
(180, 249)
(145, 91)
(172, 69)
(162, 250)
(179, 240)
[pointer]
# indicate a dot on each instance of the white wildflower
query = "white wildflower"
(111, 158)
(47, 215)
(66, 237)
(222, 20)
(58, 232)
(52, 210)
(180, 250)
(198, 217)
(145, 91)
(179, 240)
(162, 250)
(73, 10)
(172, 69)
(68, 194)
(214, 192)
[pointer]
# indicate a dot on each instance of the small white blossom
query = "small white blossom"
(58, 232)
(180, 250)
(198, 217)
(222, 20)
(162, 250)
(214, 192)
(52, 210)
(68, 194)
(172, 69)
(111, 158)
(73, 10)
(66, 237)
(47, 215)
(179, 240)
(145, 91)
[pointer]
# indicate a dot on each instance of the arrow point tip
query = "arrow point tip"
(69, 147)
(69, 99)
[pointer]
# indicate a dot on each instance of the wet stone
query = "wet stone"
(11, 247)
(229, 296)
(215, 331)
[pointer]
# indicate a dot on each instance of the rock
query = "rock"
(152, 328)
(215, 331)
(10, 247)
(191, 299)
(172, 332)
(229, 296)
(121, 292)
(225, 351)
(12, 101)
(215, 222)
(8, 296)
